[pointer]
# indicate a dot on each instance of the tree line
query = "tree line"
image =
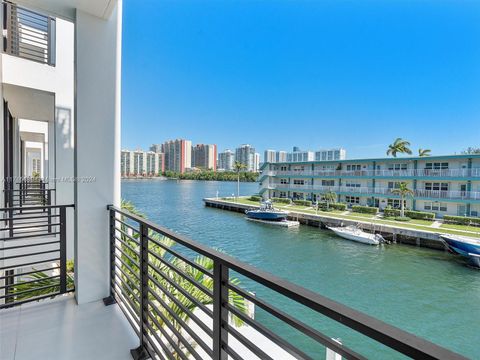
(209, 175)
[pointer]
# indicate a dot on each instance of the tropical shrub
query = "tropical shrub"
(302, 202)
(338, 206)
(400, 218)
(461, 220)
(281, 200)
(255, 198)
(419, 215)
(365, 209)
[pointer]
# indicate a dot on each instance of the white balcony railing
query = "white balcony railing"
(475, 172)
(421, 193)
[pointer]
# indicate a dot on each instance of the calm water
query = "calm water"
(426, 292)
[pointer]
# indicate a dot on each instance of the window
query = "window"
(436, 186)
(283, 168)
(435, 206)
(393, 184)
(396, 167)
(328, 182)
(436, 166)
(283, 194)
(396, 203)
(352, 185)
(283, 181)
(298, 182)
(354, 167)
(352, 199)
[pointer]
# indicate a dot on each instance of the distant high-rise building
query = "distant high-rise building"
(126, 163)
(155, 163)
(204, 156)
(225, 160)
(321, 155)
(256, 162)
(281, 156)
(270, 156)
(330, 154)
(157, 148)
(178, 155)
(245, 154)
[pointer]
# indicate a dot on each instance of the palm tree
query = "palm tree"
(403, 191)
(167, 291)
(424, 152)
(399, 146)
(237, 167)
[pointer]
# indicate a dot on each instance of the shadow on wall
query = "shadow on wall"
(63, 117)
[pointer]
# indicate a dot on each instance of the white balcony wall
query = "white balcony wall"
(97, 151)
(44, 80)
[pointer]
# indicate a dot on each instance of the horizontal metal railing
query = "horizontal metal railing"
(440, 173)
(420, 193)
(33, 250)
(167, 285)
(28, 34)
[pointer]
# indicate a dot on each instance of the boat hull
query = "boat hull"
(469, 248)
(365, 238)
(266, 215)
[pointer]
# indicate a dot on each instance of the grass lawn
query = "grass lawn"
(461, 227)
(363, 215)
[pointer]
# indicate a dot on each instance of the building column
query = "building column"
(414, 202)
(97, 147)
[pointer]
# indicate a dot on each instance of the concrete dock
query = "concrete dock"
(428, 239)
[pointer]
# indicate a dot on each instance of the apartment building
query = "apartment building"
(204, 156)
(441, 184)
(178, 155)
(298, 155)
(226, 160)
(245, 154)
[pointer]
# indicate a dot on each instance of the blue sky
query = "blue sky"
(275, 74)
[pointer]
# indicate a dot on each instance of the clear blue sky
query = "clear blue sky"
(274, 74)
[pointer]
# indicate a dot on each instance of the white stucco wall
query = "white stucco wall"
(97, 152)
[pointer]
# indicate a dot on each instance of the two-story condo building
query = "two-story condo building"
(441, 184)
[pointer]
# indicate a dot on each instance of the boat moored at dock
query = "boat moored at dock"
(465, 246)
(266, 212)
(355, 234)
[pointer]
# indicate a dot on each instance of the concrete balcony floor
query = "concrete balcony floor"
(60, 329)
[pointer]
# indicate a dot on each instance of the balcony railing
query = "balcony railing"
(421, 193)
(28, 34)
(33, 254)
(166, 292)
(440, 173)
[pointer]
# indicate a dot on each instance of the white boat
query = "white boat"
(355, 234)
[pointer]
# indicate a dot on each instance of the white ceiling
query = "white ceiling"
(66, 8)
(25, 103)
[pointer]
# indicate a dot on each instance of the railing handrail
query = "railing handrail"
(38, 207)
(382, 332)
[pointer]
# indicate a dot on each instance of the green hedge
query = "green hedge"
(389, 212)
(365, 209)
(461, 220)
(255, 198)
(302, 202)
(281, 200)
(419, 215)
(338, 206)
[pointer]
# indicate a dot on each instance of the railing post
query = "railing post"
(141, 353)
(63, 250)
(110, 300)
(220, 313)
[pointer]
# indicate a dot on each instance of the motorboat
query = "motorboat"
(356, 234)
(267, 212)
(465, 246)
